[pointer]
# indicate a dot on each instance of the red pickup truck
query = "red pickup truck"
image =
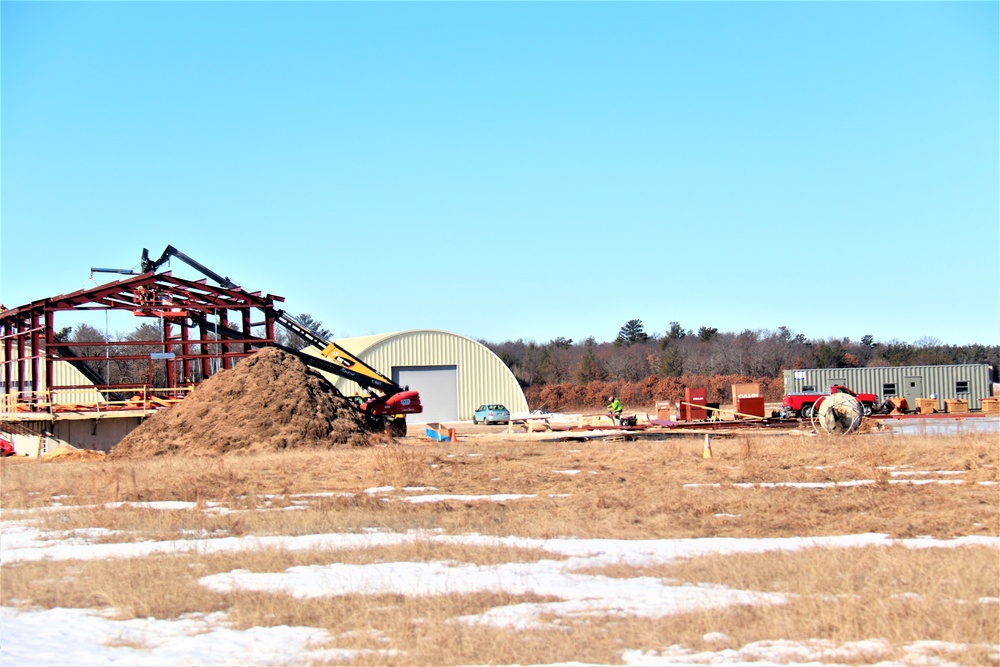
(802, 404)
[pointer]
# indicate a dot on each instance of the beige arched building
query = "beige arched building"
(453, 374)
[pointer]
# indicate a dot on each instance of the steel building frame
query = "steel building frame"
(198, 333)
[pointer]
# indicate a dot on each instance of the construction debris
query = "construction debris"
(439, 432)
(269, 402)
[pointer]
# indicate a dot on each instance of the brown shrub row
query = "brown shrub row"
(645, 393)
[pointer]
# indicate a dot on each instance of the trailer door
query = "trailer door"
(913, 388)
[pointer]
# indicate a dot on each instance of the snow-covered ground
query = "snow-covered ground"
(87, 637)
(83, 637)
(943, 426)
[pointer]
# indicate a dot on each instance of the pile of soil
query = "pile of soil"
(70, 453)
(268, 402)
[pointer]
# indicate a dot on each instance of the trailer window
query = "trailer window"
(962, 387)
(889, 389)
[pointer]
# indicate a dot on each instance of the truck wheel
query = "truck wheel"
(866, 409)
(807, 410)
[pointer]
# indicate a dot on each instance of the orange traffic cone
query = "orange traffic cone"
(706, 453)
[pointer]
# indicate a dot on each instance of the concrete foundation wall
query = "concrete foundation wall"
(40, 438)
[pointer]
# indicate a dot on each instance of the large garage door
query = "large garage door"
(438, 387)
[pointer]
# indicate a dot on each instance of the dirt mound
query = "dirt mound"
(70, 453)
(268, 402)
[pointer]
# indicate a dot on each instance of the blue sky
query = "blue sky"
(518, 170)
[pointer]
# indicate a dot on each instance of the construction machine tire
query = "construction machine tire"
(374, 424)
(395, 428)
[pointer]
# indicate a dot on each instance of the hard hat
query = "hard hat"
(611, 398)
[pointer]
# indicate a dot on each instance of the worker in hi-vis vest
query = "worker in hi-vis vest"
(615, 410)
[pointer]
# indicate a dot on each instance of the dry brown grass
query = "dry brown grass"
(897, 593)
(625, 490)
(636, 490)
(166, 586)
(422, 628)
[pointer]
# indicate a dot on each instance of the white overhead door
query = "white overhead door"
(438, 387)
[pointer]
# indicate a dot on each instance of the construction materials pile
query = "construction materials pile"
(268, 402)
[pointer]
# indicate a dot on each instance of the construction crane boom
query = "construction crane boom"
(149, 266)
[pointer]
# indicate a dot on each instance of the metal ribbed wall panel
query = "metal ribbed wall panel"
(482, 376)
(939, 380)
(65, 375)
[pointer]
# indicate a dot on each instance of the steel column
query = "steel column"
(206, 366)
(8, 363)
(50, 339)
(20, 360)
(36, 375)
(247, 347)
(224, 348)
(185, 352)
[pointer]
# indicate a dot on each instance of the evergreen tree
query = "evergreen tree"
(671, 362)
(631, 332)
(707, 333)
(591, 369)
(562, 343)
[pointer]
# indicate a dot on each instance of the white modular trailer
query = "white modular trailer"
(970, 382)
(453, 374)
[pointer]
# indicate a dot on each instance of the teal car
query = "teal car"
(491, 414)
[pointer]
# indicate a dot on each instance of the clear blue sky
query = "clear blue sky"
(519, 170)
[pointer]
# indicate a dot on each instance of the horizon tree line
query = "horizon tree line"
(634, 354)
